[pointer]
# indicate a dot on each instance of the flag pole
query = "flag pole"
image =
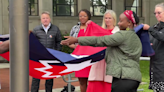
(19, 46)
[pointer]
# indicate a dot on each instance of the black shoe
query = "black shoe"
(66, 88)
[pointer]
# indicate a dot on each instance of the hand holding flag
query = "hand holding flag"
(69, 40)
(1, 42)
(4, 46)
(146, 26)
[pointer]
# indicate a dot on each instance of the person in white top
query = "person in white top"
(98, 80)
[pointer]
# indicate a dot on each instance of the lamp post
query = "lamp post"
(19, 46)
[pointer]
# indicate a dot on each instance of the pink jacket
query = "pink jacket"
(98, 70)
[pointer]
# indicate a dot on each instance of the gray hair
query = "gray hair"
(113, 14)
(160, 5)
(46, 12)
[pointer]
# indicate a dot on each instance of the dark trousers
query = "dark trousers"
(124, 85)
(36, 82)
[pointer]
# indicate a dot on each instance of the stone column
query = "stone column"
(83, 4)
(75, 7)
(46, 5)
(129, 2)
(1, 17)
(150, 10)
(4, 17)
(146, 11)
(118, 7)
(4, 21)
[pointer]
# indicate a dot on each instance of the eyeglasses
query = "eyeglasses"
(82, 16)
(157, 13)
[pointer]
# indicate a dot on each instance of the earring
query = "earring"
(127, 29)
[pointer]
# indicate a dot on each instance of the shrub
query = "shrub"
(66, 49)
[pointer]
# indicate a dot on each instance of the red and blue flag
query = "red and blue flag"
(47, 63)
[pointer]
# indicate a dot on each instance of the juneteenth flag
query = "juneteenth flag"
(62, 63)
(47, 63)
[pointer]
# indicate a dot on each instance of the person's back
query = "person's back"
(124, 58)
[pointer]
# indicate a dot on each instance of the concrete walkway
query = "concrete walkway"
(77, 89)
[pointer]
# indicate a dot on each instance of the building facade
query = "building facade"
(64, 13)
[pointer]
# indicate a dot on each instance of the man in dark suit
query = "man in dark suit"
(50, 36)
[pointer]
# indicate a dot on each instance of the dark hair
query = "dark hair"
(87, 12)
(136, 17)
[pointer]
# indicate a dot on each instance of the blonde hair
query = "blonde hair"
(160, 5)
(113, 14)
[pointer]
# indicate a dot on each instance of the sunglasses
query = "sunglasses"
(157, 13)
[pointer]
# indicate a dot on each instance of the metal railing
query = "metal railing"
(69, 81)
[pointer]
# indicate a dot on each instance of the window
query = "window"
(33, 8)
(98, 7)
(134, 5)
(65, 7)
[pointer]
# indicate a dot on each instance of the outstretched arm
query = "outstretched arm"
(159, 35)
(112, 40)
(4, 46)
